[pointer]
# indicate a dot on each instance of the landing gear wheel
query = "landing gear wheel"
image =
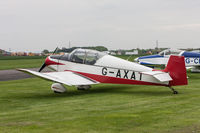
(175, 92)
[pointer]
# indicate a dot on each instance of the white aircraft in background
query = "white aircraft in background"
(82, 68)
(192, 59)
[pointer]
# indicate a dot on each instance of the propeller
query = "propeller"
(44, 64)
(42, 67)
(55, 50)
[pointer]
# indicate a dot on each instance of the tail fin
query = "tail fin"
(177, 70)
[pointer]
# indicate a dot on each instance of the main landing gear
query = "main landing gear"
(174, 91)
(58, 88)
(83, 87)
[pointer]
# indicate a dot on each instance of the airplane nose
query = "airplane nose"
(53, 60)
(136, 60)
(49, 61)
(44, 65)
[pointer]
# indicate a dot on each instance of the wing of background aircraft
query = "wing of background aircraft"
(67, 78)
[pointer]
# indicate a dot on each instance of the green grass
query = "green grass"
(21, 63)
(20, 57)
(127, 57)
(30, 106)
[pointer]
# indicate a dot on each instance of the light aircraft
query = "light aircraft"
(83, 68)
(192, 59)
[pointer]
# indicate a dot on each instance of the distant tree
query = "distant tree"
(101, 48)
(45, 51)
(98, 48)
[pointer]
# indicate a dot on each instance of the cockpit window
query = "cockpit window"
(78, 57)
(175, 52)
(91, 58)
(162, 53)
(65, 57)
(84, 56)
(169, 52)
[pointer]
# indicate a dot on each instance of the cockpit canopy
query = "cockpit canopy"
(83, 56)
(170, 52)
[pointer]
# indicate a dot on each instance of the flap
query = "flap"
(67, 78)
(159, 75)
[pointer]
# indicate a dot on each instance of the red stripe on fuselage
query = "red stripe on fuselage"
(114, 80)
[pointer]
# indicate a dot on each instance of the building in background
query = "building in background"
(134, 52)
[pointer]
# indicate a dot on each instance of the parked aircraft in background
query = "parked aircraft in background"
(83, 68)
(192, 59)
(198, 51)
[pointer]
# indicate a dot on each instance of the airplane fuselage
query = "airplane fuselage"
(110, 69)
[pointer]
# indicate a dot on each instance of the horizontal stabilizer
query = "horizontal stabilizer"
(159, 75)
(67, 78)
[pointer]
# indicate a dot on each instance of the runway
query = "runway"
(6, 75)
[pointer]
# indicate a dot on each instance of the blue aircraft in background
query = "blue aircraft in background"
(192, 59)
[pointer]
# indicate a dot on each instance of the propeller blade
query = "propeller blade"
(55, 51)
(42, 67)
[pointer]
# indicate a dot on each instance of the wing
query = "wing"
(67, 78)
(161, 76)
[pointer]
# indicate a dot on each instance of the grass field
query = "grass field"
(29, 105)
(20, 57)
(127, 57)
(13, 62)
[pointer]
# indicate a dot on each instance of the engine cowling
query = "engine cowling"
(58, 88)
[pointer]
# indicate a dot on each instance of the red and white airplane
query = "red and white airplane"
(83, 67)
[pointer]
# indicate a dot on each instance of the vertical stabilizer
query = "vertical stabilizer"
(177, 70)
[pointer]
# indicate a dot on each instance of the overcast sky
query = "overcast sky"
(34, 25)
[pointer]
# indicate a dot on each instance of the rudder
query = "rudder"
(177, 70)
